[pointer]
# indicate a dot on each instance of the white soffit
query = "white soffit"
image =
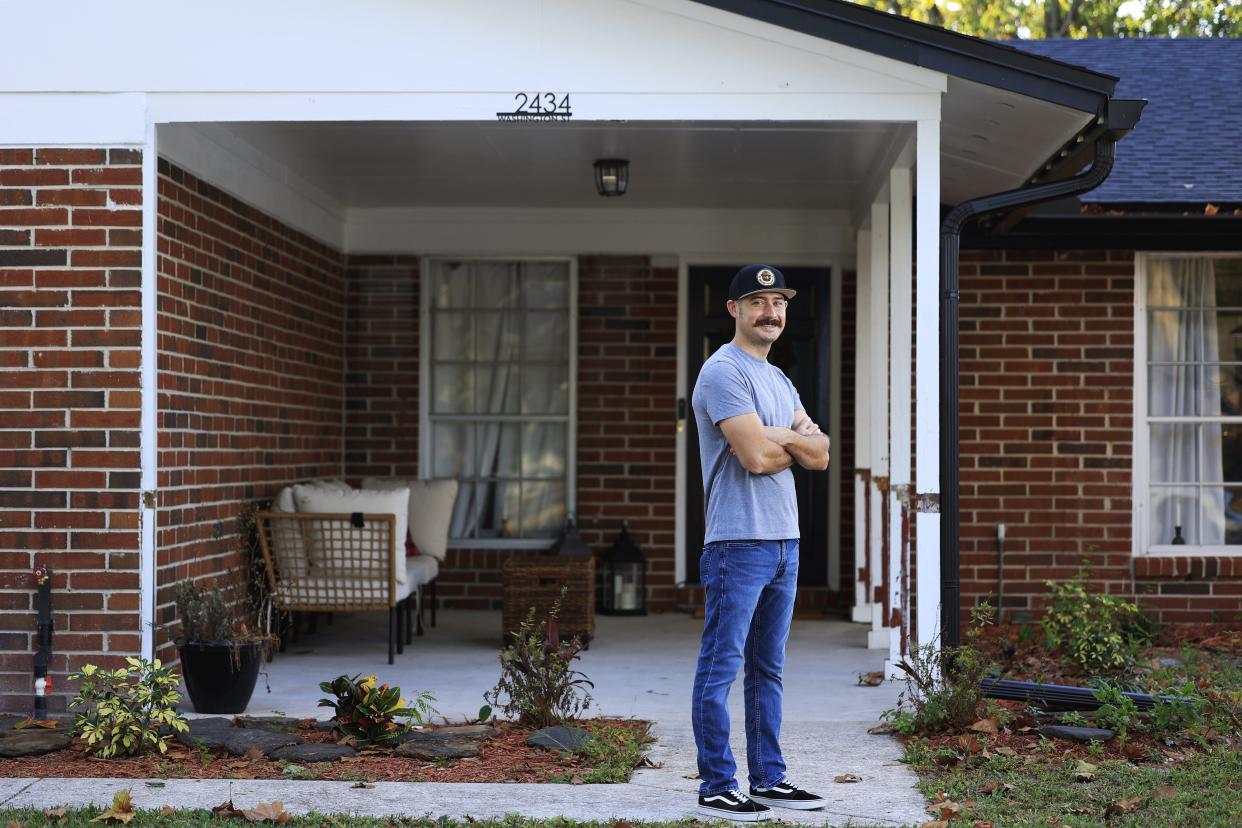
(993, 140)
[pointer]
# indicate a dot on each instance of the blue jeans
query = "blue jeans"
(750, 588)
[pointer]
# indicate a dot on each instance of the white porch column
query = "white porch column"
(149, 451)
(863, 577)
(900, 341)
(877, 382)
(927, 434)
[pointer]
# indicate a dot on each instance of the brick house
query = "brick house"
(220, 277)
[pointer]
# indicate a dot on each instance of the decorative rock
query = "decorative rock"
(572, 739)
(435, 749)
(273, 724)
(243, 739)
(1078, 734)
(209, 732)
(312, 752)
(33, 742)
(451, 733)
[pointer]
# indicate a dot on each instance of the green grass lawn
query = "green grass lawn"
(1205, 790)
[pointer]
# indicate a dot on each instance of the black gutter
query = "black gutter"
(935, 48)
(1115, 232)
(1120, 119)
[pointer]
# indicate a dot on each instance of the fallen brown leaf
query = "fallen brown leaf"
(1084, 771)
(1165, 792)
(935, 823)
(1125, 806)
(227, 810)
(969, 743)
(690, 775)
(989, 725)
(981, 823)
(993, 786)
(882, 729)
(1210, 209)
(947, 810)
(847, 777)
(57, 815)
(1005, 750)
(946, 760)
(122, 809)
(577, 780)
(15, 824)
(268, 812)
(167, 810)
(873, 679)
(253, 754)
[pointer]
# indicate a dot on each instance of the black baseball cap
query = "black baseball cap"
(759, 278)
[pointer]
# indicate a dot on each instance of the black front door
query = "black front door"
(802, 353)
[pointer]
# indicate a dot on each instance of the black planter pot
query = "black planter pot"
(220, 676)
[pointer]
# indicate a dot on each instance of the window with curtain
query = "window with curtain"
(1194, 403)
(500, 394)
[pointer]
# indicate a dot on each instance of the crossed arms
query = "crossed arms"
(770, 449)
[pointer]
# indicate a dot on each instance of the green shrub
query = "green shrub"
(1097, 632)
(537, 685)
(1118, 713)
(126, 710)
(373, 714)
(1177, 708)
(942, 692)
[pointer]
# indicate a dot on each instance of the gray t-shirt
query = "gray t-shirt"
(741, 505)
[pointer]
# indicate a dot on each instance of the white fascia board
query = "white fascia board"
(426, 45)
(215, 155)
(72, 119)
(587, 106)
(571, 231)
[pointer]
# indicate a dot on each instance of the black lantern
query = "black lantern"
(570, 544)
(612, 175)
(623, 578)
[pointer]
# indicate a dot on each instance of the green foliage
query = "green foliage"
(373, 713)
(1097, 632)
(1117, 712)
(612, 753)
(126, 710)
(942, 684)
(205, 615)
(537, 683)
(1040, 19)
(1180, 712)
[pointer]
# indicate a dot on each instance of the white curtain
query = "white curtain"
(505, 335)
(1185, 453)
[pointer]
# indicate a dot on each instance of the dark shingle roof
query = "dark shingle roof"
(1188, 145)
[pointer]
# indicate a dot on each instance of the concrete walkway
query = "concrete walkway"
(642, 667)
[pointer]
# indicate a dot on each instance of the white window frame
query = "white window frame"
(424, 391)
(1141, 482)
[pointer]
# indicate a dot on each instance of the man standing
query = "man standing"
(752, 428)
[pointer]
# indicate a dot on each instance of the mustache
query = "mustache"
(771, 320)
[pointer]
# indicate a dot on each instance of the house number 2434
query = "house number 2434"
(540, 103)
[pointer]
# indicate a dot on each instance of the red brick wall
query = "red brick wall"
(70, 301)
(1046, 425)
(251, 361)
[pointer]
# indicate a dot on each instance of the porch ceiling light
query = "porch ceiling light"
(612, 175)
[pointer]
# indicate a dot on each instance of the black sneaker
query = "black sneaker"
(733, 805)
(785, 794)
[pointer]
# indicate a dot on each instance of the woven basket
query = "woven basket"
(536, 580)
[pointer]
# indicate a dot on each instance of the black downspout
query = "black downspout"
(950, 436)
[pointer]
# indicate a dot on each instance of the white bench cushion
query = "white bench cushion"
(430, 510)
(317, 499)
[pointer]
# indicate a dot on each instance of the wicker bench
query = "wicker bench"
(536, 581)
(337, 563)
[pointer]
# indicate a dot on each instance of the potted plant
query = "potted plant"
(220, 656)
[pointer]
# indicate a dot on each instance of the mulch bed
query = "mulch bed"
(503, 758)
(1023, 656)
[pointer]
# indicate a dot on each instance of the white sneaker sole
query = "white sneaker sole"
(721, 813)
(809, 805)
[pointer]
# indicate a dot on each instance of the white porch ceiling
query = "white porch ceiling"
(472, 164)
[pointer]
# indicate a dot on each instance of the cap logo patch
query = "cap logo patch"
(765, 277)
